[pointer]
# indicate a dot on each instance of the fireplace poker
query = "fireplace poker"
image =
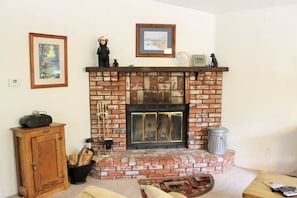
(103, 114)
(98, 118)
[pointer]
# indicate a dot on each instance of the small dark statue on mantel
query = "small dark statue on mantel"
(214, 62)
(115, 62)
(103, 52)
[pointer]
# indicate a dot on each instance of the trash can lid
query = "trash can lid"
(219, 129)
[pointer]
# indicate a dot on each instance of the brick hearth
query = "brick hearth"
(201, 88)
(160, 163)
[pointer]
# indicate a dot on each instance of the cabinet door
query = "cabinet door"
(47, 161)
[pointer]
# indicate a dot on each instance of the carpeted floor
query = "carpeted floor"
(227, 185)
(293, 174)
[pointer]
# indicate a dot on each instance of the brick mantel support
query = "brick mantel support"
(116, 87)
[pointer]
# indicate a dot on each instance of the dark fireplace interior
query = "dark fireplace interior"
(151, 126)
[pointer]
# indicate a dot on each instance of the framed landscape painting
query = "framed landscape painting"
(155, 40)
(48, 60)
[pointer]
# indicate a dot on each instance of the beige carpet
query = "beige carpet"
(293, 174)
(227, 185)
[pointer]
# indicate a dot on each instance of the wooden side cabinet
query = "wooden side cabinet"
(40, 160)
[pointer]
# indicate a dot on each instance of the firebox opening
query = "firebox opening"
(151, 126)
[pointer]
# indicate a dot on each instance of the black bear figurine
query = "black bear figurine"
(103, 52)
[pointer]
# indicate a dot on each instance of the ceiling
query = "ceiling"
(225, 6)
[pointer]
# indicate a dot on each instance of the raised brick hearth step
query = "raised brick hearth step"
(152, 163)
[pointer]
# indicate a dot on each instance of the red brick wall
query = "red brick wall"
(116, 89)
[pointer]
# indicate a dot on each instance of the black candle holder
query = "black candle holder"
(105, 146)
(108, 143)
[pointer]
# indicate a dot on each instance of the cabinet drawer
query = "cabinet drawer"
(46, 131)
(52, 128)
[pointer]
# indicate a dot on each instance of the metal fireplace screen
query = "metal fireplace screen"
(156, 128)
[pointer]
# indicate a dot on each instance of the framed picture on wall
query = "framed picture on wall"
(48, 60)
(155, 40)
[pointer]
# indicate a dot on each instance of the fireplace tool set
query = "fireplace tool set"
(104, 142)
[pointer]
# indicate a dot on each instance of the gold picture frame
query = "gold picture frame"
(48, 60)
(155, 40)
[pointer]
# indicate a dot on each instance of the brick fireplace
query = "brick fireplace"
(200, 88)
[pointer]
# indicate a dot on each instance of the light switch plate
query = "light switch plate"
(13, 82)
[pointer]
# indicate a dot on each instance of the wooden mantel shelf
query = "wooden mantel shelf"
(157, 69)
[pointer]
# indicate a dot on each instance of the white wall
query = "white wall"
(260, 91)
(82, 23)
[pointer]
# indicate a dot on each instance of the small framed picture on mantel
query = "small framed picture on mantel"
(198, 60)
(155, 40)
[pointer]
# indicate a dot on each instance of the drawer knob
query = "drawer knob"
(34, 166)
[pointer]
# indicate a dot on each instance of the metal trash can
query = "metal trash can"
(217, 140)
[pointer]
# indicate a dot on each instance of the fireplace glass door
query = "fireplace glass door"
(156, 129)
